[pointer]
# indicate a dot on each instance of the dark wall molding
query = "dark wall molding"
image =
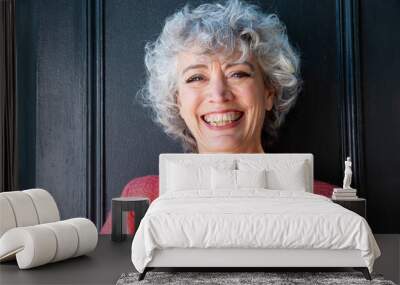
(347, 22)
(26, 56)
(95, 112)
(8, 100)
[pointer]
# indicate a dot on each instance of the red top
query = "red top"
(147, 186)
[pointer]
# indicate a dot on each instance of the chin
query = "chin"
(224, 148)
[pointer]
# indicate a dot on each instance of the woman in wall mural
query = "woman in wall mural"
(221, 78)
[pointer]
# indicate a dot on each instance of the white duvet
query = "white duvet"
(253, 218)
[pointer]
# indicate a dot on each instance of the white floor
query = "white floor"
(389, 262)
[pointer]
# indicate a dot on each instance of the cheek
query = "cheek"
(251, 97)
(253, 101)
(189, 103)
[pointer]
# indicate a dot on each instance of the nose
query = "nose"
(218, 90)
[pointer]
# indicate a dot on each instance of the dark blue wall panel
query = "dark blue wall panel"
(380, 53)
(61, 104)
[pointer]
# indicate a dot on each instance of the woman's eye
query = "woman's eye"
(194, 78)
(240, 74)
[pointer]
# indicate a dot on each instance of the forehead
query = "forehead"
(186, 58)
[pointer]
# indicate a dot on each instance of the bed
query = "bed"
(246, 211)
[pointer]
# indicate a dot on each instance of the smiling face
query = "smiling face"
(223, 102)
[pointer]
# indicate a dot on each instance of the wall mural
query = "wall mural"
(93, 135)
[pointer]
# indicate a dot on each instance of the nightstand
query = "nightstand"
(357, 205)
(119, 205)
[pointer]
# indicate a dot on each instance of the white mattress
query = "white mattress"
(252, 219)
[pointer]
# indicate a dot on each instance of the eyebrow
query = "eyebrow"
(195, 66)
(239, 63)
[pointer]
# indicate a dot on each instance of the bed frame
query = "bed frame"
(242, 259)
(250, 258)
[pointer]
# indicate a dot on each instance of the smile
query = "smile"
(222, 120)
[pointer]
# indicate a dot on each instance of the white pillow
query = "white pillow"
(293, 179)
(186, 175)
(235, 179)
(251, 178)
(281, 175)
(182, 178)
(223, 179)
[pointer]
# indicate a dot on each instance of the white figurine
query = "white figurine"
(347, 174)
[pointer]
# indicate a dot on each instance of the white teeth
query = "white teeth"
(221, 123)
(221, 119)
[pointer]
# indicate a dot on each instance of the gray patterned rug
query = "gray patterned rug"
(270, 278)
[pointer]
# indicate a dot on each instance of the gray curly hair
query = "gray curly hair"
(228, 27)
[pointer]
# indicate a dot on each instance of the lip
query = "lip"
(228, 126)
(221, 111)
